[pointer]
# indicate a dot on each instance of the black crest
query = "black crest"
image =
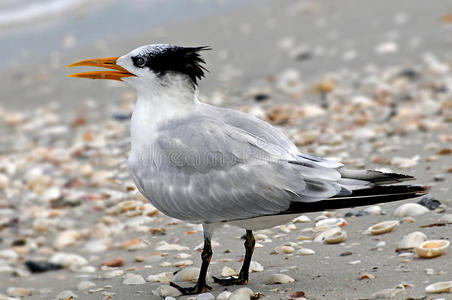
(163, 59)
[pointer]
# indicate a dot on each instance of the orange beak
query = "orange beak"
(106, 62)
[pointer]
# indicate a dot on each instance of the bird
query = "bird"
(212, 165)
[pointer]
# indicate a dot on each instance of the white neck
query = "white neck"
(157, 103)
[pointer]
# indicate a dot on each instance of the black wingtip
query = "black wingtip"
(401, 177)
(363, 197)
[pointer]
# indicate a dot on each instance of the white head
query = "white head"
(152, 68)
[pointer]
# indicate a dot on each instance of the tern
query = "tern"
(212, 165)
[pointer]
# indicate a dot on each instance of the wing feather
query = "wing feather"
(212, 171)
(220, 165)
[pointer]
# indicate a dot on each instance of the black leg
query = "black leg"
(201, 286)
(244, 271)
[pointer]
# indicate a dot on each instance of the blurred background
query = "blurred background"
(251, 40)
(368, 83)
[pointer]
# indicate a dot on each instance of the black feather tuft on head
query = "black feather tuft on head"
(166, 59)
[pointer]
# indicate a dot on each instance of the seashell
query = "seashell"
(84, 269)
(408, 220)
(325, 224)
(39, 184)
(133, 245)
(282, 114)
(166, 290)
(303, 138)
(429, 271)
(224, 295)
(14, 118)
(256, 267)
(387, 293)
(256, 111)
(9, 255)
(324, 86)
(164, 246)
(133, 279)
(297, 295)
(285, 249)
(291, 226)
(373, 210)
(405, 163)
(86, 170)
(305, 252)
(66, 238)
(367, 276)
(332, 233)
(304, 238)
(18, 292)
(439, 287)
(183, 255)
(381, 244)
(96, 246)
(405, 254)
(114, 263)
(183, 263)
(84, 285)
(4, 181)
(67, 294)
(319, 218)
(188, 274)
(364, 133)
(280, 279)
(287, 228)
(51, 194)
(129, 205)
(260, 237)
(227, 271)
(165, 277)
(410, 210)
(433, 248)
(445, 219)
(166, 264)
(149, 210)
(336, 237)
(205, 296)
(329, 214)
(242, 294)
(68, 260)
(412, 240)
(289, 81)
(383, 227)
(113, 273)
(311, 111)
(43, 225)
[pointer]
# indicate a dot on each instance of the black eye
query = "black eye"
(139, 62)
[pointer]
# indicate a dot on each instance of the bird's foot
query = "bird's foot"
(230, 281)
(197, 289)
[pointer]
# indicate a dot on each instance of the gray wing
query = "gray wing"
(211, 171)
(264, 131)
(250, 124)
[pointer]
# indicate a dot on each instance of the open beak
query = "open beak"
(106, 62)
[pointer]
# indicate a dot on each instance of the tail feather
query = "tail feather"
(375, 177)
(362, 197)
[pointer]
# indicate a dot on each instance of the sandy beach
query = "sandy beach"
(366, 83)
